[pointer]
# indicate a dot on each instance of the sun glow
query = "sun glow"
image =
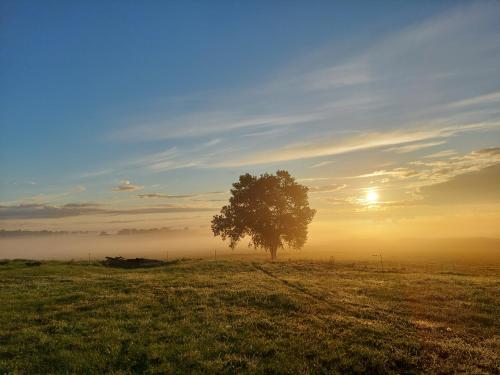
(371, 197)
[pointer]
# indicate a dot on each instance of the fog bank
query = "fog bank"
(80, 246)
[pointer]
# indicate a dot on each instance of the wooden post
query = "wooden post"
(380, 256)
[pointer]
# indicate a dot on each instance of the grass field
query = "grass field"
(248, 316)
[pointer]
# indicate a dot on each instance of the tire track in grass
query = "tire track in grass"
(344, 310)
(290, 285)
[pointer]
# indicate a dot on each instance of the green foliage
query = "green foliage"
(272, 209)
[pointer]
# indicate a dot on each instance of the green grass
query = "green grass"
(242, 316)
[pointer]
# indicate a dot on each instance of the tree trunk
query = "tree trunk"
(273, 253)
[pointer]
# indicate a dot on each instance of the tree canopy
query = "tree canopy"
(273, 210)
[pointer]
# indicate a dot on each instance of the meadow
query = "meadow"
(249, 316)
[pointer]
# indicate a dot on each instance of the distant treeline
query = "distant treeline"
(164, 230)
(122, 232)
(36, 233)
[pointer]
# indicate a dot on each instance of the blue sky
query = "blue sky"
(130, 104)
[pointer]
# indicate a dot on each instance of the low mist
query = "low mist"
(200, 245)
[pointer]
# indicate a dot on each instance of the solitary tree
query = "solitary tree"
(272, 210)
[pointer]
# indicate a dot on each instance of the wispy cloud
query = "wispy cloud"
(435, 171)
(327, 188)
(418, 56)
(396, 172)
(178, 196)
(322, 164)
(333, 77)
(307, 110)
(441, 154)
(212, 142)
(264, 133)
(207, 123)
(427, 172)
(414, 147)
(42, 197)
(313, 179)
(480, 186)
(169, 159)
(44, 211)
(321, 147)
(491, 98)
(164, 196)
(126, 186)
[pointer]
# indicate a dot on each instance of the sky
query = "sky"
(121, 114)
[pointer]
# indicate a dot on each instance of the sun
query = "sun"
(371, 196)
